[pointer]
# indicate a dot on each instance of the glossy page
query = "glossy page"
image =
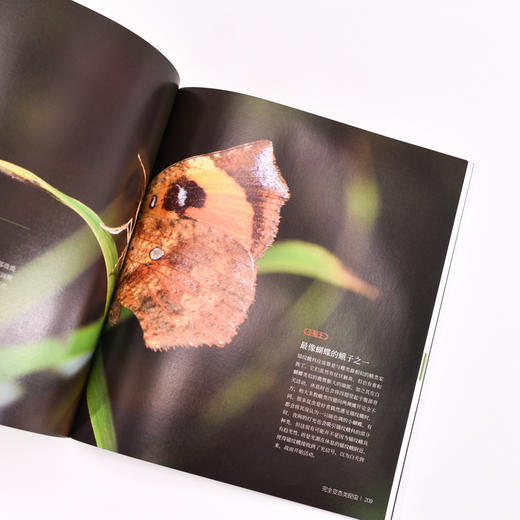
(305, 392)
(83, 104)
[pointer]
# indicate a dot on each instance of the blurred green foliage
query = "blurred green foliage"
(363, 202)
(19, 360)
(314, 261)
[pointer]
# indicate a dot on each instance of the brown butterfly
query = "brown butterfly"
(190, 271)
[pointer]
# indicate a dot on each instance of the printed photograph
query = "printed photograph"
(269, 324)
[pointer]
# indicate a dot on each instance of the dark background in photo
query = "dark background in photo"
(386, 210)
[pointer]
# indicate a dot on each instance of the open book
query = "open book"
(206, 280)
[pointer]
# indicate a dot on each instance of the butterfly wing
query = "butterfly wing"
(190, 274)
(253, 166)
(189, 285)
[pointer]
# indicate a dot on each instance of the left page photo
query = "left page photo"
(83, 105)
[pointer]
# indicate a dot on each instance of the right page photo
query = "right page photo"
(271, 317)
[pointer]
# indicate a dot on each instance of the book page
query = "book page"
(83, 104)
(270, 324)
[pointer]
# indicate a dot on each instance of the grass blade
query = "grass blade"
(99, 407)
(314, 261)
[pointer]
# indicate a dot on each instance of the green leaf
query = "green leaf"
(314, 261)
(20, 360)
(99, 408)
(104, 238)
